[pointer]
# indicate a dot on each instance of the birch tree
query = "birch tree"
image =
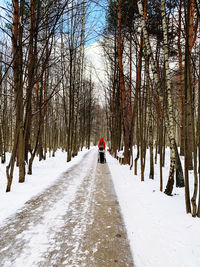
(170, 183)
(169, 121)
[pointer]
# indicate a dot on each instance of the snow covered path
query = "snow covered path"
(74, 222)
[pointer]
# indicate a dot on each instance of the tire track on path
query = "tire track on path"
(75, 222)
(37, 215)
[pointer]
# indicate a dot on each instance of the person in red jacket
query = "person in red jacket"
(102, 144)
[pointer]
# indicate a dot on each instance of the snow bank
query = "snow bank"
(44, 174)
(160, 232)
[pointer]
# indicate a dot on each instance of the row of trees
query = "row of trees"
(47, 100)
(152, 54)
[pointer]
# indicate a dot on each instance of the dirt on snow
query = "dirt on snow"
(68, 225)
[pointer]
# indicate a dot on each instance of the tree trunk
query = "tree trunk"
(150, 124)
(170, 183)
(123, 94)
(180, 91)
(198, 136)
(31, 70)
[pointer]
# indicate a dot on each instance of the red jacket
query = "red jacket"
(102, 142)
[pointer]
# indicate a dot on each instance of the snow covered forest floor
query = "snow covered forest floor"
(161, 234)
(44, 173)
(160, 231)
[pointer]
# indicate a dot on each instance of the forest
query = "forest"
(49, 100)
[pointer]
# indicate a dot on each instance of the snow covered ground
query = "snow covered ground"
(160, 232)
(44, 173)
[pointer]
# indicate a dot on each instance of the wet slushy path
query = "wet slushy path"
(74, 222)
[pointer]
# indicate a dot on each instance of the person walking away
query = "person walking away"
(102, 146)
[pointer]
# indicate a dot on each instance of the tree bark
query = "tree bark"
(123, 93)
(180, 87)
